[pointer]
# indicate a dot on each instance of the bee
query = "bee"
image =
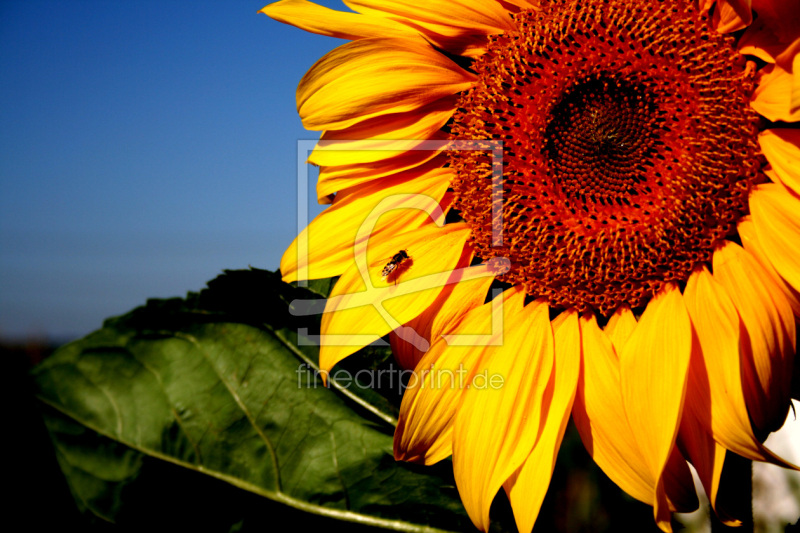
(395, 262)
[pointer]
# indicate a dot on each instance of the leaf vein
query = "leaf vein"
(386, 417)
(278, 496)
(172, 409)
(191, 339)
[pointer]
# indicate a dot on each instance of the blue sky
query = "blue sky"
(144, 147)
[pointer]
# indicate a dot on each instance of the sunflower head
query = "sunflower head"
(618, 239)
(621, 172)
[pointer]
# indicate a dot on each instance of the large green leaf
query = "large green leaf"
(216, 391)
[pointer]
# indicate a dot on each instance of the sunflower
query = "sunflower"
(563, 209)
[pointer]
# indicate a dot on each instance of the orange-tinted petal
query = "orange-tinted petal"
(318, 19)
(373, 77)
(767, 334)
(759, 42)
(794, 106)
(781, 147)
(678, 488)
(771, 42)
(526, 488)
(708, 457)
(780, 16)
(408, 354)
(497, 426)
(715, 398)
(425, 426)
(363, 307)
(773, 96)
(654, 367)
(732, 15)
(522, 4)
(747, 232)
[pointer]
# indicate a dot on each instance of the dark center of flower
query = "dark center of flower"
(598, 134)
(629, 148)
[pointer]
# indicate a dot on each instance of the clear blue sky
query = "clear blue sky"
(144, 147)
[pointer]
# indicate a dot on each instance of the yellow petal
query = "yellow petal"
(318, 19)
(654, 366)
(781, 147)
(325, 248)
(602, 422)
(747, 232)
(767, 334)
(600, 416)
(484, 16)
(458, 26)
(363, 306)
(337, 178)
(715, 399)
(465, 296)
(775, 216)
(620, 326)
(527, 487)
(373, 77)
(773, 96)
(496, 427)
(383, 137)
(406, 352)
(425, 427)
(445, 314)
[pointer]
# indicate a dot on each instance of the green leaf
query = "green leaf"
(219, 390)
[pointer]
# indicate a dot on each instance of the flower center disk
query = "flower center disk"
(629, 149)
